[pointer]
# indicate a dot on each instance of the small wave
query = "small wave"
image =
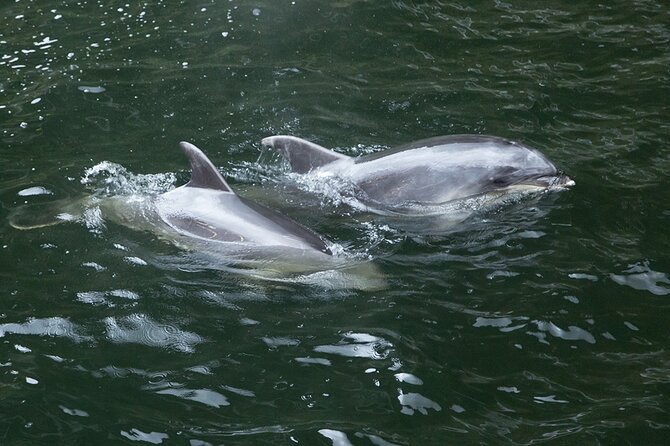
(415, 402)
(641, 277)
(52, 326)
(205, 396)
(107, 178)
(334, 190)
(140, 329)
(358, 345)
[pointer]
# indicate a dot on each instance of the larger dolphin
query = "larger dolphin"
(422, 176)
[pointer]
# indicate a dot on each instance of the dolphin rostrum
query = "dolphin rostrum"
(423, 175)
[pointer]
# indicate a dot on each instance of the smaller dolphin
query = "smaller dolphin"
(220, 228)
(206, 208)
(423, 176)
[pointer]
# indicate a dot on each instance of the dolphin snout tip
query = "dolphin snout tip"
(268, 141)
(564, 181)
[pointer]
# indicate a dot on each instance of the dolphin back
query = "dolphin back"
(288, 225)
(302, 155)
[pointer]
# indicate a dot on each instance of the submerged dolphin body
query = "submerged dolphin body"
(423, 176)
(221, 229)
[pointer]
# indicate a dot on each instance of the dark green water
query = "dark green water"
(544, 322)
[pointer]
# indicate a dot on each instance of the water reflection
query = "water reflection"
(52, 326)
(358, 345)
(642, 277)
(141, 329)
(541, 322)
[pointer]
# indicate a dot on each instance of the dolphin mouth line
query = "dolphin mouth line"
(552, 182)
(561, 181)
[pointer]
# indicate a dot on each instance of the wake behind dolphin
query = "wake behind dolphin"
(429, 175)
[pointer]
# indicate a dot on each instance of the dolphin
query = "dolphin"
(205, 216)
(422, 177)
(206, 208)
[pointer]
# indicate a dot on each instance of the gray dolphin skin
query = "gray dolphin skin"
(430, 172)
(206, 208)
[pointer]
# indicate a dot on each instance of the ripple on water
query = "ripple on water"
(146, 437)
(107, 297)
(641, 277)
(52, 326)
(415, 402)
(140, 329)
(505, 324)
(35, 190)
(337, 437)
(205, 396)
(358, 345)
(408, 378)
(573, 333)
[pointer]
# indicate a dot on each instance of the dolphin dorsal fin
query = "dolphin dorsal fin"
(204, 174)
(302, 155)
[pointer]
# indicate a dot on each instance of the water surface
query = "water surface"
(543, 321)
